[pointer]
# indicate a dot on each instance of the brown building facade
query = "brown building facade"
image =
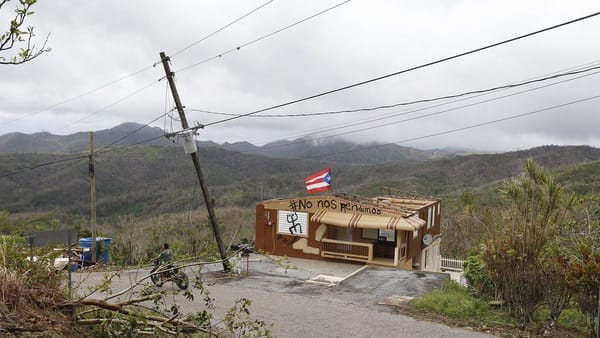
(390, 231)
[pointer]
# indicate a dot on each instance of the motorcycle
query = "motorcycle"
(169, 272)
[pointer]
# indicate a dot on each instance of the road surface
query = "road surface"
(282, 294)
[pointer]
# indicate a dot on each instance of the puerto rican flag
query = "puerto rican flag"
(318, 182)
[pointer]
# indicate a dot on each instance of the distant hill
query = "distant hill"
(46, 143)
(440, 177)
(150, 180)
(340, 151)
(145, 180)
(127, 134)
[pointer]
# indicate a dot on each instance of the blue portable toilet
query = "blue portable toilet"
(102, 246)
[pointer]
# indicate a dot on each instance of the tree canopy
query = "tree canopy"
(18, 36)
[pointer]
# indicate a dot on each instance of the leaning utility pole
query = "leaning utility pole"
(194, 154)
(93, 196)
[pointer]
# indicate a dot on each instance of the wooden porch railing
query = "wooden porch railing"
(354, 251)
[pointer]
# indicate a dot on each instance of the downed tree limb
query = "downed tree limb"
(115, 315)
(155, 321)
(97, 321)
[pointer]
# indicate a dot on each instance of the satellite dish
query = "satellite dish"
(427, 239)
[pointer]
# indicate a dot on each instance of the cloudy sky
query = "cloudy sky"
(101, 72)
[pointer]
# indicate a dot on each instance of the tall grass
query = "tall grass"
(24, 282)
(453, 301)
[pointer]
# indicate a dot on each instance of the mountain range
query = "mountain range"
(128, 134)
(49, 173)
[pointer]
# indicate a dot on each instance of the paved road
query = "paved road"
(281, 295)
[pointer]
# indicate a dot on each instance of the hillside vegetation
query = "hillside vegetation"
(147, 194)
(144, 181)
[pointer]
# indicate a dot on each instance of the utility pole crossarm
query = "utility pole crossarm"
(192, 129)
(184, 123)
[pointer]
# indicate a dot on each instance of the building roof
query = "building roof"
(344, 202)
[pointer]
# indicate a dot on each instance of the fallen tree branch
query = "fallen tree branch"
(96, 321)
(151, 320)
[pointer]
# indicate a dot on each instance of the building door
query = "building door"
(385, 246)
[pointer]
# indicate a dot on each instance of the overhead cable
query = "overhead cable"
(220, 29)
(450, 131)
(114, 103)
(150, 66)
(455, 56)
(131, 133)
(102, 150)
(261, 38)
(407, 103)
(108, 84)
(45, 164)
(405, 112)
(415, 117)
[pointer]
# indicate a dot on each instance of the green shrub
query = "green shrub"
(572, 319)
(478, 278)
(453, 301)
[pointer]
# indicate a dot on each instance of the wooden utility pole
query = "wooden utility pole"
(195, 159)
(93, 196)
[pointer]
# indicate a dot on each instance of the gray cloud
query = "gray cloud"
(97, 42)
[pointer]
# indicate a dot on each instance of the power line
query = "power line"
(135, 144)
(73, 158)
(221, 29)
(407, 69)
(141, 70)
(440, 112)
(361, 122)
(346, 125)
(406, 112)
(45, 164)
(108, 84)
(443, 111)
(105, 149)
(407, 103)
(261, 38)
(114, 103)
(131, 133)
(512, 117)
(102, 150)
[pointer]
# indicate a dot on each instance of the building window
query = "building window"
(370, 233)
(379, 234)
(292, 223)
(430, 217)
(387, 235)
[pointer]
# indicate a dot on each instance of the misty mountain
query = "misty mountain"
(151, 180)
(340, 151)
(127, 134)
(46, 143)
